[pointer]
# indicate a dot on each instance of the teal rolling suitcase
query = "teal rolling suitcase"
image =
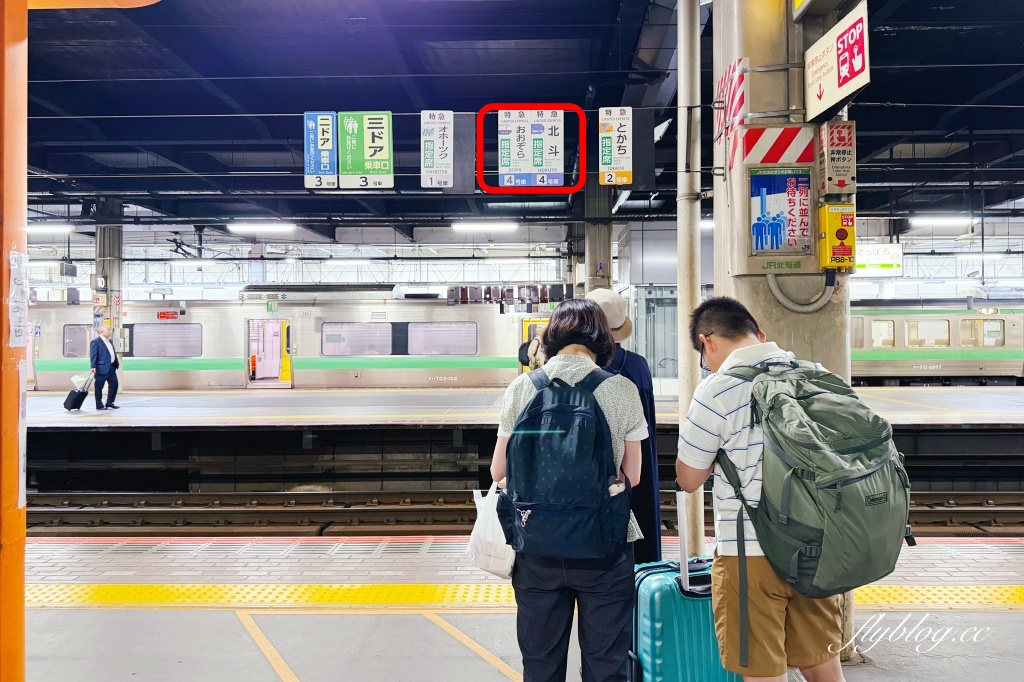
(673, 627)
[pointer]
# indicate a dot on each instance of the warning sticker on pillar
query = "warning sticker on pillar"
(437, 155)
(780, 144)
(17, 300)
(616, 145)
(780, 211)
(837, 158)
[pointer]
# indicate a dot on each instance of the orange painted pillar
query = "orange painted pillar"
(13, 218)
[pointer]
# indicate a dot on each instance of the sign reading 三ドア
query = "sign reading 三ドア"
(365, 152)
(437, 157)
(837, 66)
(320, 142)
(531, 149)
(879, 260)
(616, 138)
(780, 211)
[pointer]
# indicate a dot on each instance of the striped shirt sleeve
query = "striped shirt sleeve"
(700, 436)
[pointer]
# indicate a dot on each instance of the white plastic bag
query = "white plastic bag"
(488, 550)
(80, 380)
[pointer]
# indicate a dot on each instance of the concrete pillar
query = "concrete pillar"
(598, 236)
(762, 31)
(109, 254)
(688, 197)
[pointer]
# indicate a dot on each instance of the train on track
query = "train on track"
(308, 337)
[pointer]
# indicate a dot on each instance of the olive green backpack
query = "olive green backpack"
(835, 497)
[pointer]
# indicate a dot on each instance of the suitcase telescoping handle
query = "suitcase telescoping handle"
(684, 559)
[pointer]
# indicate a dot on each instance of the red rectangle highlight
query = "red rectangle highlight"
(497, 189)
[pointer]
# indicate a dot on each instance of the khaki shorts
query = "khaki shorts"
(786, 628)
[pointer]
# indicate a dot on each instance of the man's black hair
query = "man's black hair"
(725, 317)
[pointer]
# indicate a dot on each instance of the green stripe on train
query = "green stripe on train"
(930, 355)
(900, 312)
(192, 364)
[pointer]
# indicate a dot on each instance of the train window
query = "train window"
(982, 333)
(344, 339)
(175, 340)
(76, 340)
(928, 334)
(856, 332)
(883, 333)
(442, 338)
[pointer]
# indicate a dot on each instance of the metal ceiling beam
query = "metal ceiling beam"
(392, 54)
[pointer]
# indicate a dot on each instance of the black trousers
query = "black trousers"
(547, 590)
(102, 379)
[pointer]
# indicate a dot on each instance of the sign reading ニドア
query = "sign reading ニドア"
(320, 142)
(365, 151)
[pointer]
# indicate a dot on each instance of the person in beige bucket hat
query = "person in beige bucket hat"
(646, 503)
(615, 309)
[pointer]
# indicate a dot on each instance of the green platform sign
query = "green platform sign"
(366, 157)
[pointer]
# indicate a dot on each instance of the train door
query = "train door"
(268, 356)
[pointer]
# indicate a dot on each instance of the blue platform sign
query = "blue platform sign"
(780, 211)
(320, 143)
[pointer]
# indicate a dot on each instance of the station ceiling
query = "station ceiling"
(188, 112)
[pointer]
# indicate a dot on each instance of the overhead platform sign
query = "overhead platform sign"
(616, 145)
(531, 148)
(365, 150)
(879, 260)
(837, 66)
(321, 150)
(437, 156)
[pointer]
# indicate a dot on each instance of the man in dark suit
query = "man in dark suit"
(103, 359)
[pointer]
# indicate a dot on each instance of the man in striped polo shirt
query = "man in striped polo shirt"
(786, 628)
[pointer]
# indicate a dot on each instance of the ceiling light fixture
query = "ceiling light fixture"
(260, 228)
(981, 255)
(485, 227)
(44, 228)
(942, 221)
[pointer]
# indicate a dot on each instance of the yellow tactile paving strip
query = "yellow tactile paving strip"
(444, 595)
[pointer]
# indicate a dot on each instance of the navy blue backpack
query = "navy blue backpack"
(559, 466)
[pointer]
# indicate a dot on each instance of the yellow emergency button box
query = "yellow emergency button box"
(838, 242)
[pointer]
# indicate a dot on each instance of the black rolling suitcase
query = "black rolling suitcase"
(77, 397)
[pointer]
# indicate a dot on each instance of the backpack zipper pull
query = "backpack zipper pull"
(839, 498)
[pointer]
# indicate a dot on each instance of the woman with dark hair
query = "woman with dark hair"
(576, 342)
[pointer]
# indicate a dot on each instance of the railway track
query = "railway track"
(403, 513)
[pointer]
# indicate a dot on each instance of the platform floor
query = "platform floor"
(413, 609)
(445, 407)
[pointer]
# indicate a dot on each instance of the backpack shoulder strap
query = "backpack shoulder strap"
(746, 372)
(540, 379)
(594, 379)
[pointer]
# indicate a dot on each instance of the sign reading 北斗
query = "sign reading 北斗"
(837, 66)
